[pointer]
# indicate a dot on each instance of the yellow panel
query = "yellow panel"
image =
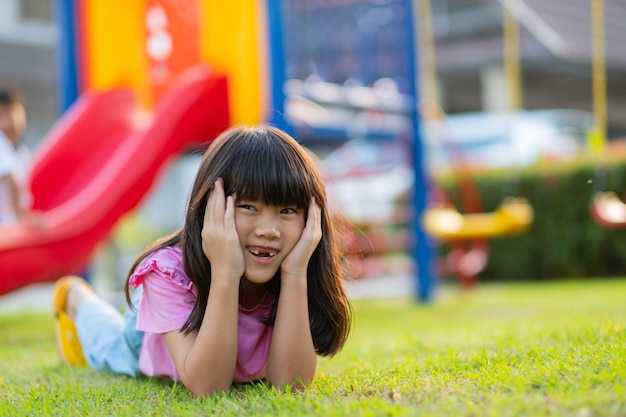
(233, 40)
(115, 46)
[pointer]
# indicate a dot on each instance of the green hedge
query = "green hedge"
(563, 240)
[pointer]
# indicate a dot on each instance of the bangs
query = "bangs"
(270, 171)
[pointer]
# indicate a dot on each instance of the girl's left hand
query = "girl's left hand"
(296, 262)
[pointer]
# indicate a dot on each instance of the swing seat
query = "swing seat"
(513, 216)
(608, 210)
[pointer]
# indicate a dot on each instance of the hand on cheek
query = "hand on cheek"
(220, 242)
(296, 262)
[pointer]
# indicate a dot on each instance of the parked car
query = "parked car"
(505, 139)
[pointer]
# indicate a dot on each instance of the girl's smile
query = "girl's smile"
(262, 254)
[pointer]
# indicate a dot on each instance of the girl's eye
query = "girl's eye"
(246, 206)
(288, 210)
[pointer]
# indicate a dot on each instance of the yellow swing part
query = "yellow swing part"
(513, 216)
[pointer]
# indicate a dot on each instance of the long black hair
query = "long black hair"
(263, 163)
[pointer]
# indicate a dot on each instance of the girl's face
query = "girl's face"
(267, 234)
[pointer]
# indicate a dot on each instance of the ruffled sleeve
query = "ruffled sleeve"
(168, 293)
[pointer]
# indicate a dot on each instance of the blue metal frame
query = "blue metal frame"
(67, 65)
(422, 251)
(277, 63)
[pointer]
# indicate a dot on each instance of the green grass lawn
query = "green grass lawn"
(555, 349)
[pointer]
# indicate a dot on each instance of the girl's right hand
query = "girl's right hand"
(220, 241)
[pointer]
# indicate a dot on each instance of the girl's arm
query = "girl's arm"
(292, 359)
(206, 359)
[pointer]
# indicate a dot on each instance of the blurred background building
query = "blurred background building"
(555, 54)
(356, 41)
(28, 41)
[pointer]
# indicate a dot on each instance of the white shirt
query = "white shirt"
(11, 163)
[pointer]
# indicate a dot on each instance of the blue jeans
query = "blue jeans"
(110, 340)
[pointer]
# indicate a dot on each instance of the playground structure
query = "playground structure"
(467, 233)
(235, 56)
(135, 97)
(169, 77)
(607, 209)
(352, 77)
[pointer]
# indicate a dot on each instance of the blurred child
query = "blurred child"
(14, 196)
(250, 287)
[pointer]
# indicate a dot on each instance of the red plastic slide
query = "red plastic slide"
(98, 163)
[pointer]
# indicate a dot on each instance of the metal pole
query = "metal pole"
(512, 69)
(422, 252)
(277, 64)
(67, 65)
(598, 63)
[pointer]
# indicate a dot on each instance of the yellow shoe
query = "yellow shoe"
(67, 341)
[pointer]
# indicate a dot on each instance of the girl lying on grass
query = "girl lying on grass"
(249, 288)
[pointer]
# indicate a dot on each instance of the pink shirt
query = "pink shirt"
(167, 300)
